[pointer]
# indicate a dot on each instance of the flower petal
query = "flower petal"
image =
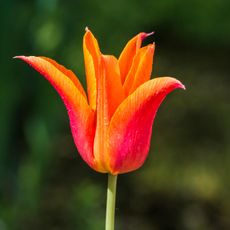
(82, 118)
(128, 53)
(91, 57)
(109, 95)
(140, 70)
(68, 73)
(112, 83)
(131, 125)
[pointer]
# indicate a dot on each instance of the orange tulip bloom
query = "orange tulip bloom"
(112, 124)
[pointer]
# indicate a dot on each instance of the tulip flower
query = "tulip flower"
(112, 123)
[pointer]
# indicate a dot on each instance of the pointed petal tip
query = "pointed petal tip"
(183, 87)
(145, 35)
(180, 85)
(88, 32)
(19, 57)
(22, 57)
(149, 34)
(176, 83)
(151, 47)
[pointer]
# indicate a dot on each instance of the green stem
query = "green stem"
(110, 205)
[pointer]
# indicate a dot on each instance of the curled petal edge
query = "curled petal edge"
(131, 125)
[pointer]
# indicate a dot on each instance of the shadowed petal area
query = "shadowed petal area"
(82, 118)
(128, 53)
(131, 126)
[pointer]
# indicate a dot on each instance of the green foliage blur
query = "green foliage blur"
(184, 184)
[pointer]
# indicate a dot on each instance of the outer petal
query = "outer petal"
(68, 73)
(140, 70)
(127, 55)
(131, 126)
(109, 95)
(82, 118)
(91, 57)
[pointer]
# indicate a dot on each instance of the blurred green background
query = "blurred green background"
(184, 184)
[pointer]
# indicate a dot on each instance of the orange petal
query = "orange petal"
(82, 118)
(109, 96)
(68, 73)
(112, 83)
(128, 53)
(140, 70)
(91, 57)
(131, 125)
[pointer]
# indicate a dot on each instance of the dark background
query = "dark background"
(184, 184)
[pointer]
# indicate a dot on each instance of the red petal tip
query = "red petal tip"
(181, 86)
(145, 35)
(20, 56)
(149, 34)
(87, 29)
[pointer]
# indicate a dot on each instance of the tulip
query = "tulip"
(112, 124)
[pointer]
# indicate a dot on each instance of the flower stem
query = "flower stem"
(110, 205)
